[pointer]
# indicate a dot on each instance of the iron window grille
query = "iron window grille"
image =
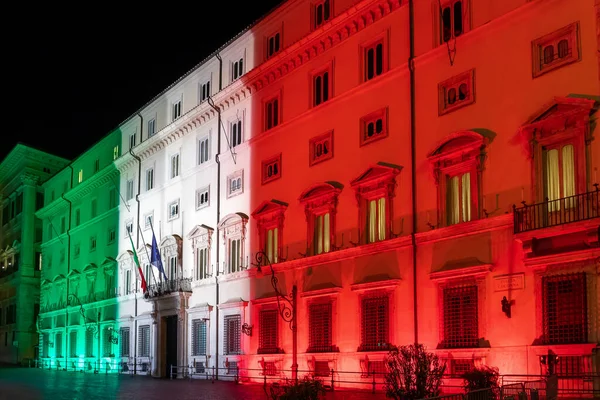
(320, 328)
(232, 334)
(89, 343)
(144, 340)
(199, 367)
(574, 366)
(460, 317)
(375, 368)
(124, 342)
(375, 324)
(457, 367)
(232, 368)
(564, 308)
(198, 337)
(269, 368)
(322, 368)
(268, 333)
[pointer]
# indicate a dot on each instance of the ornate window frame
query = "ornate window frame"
(570, 34)
(233, 227)
(171, 247)
(378, 181)
(459, 153)
(270, 215)
(319, 200)
(201, 239)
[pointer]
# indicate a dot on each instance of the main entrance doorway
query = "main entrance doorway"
(171, 346)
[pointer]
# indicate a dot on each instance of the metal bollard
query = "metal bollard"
(373, 372)
(332, 379)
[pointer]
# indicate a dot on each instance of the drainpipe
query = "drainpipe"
(413, 169)
(66, 350)
(137, 244)
(212, 104)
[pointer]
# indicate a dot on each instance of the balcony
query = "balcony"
(181, 285)
(554, 213)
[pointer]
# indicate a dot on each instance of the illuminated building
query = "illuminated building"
(78, 308)
(377, 166)
(21, 173)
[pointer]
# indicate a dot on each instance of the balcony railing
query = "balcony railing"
(579, 207)
(168, 287)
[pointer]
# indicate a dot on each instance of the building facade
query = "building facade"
(78, 309)
(21, 173)
(420, 171)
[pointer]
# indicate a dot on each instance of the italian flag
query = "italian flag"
(137, 263)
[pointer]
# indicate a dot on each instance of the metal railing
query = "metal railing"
(170, 286)
(549, 213)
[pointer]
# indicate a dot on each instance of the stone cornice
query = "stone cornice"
(475, 227)
(106, 175)
(51, 209)
(22, 155)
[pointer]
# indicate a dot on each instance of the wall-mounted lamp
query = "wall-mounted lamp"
(247, 329)
(506, 306)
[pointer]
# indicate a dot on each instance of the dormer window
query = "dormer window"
(320, 205)
(269, 217)
(374, 192)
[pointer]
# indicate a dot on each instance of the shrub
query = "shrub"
(483, 377)
(308, 388)
(413, 373)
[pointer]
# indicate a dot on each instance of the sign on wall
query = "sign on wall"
(509, 282)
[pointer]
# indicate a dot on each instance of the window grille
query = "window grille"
(198, 337)
(199, 367)
(124, 342)
(232, 368)
(268, 335)
(461, 317)
(573, 366)
(144, 340)
(322, 368)
(376, 368)
(232, 334)
(457, 367)
(269, 368)
(106, 343)
(89, 343)
(58, 341)
(320, 327)
(375, 324)
(565, 309)
(73, 344)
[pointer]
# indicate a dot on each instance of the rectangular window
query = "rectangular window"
(320, 328)
(93, 243)
(132, 141)
(321, 86)
(62, 225)
(199, 337)
(237, 69)
(273, 44)
(559, 171)
(115, 152)
(376, 220)
(173, 268)
(272, 245)
(174, 165)
(322, 234)
(564, 308)
(73, 344)
(125, 342)
(320, 148)
(93, 208)
(151, 127)
(112, 198)
(148, 220)
(235, 133)
(235, 255)
(321, 13)
(201, 263)
(89, 343)
(373, 126)
(556, 49)
(374, 60)
(174, 210)
(232, 334)
(203, 150)
(129, 190)
(58, 344)
(175, 110)
(375, 324)
(453, 15)
(272, 110)
(149, 179)
(202, 198)
(235, 183)
(268, 333)
(96, 165)
(129, 228)
(456, 92)
(460, 317)
(458, 198)
(204, 91)
(144, 341)
(80, 176)
(271, 169)
(112, 235)
(127, 282)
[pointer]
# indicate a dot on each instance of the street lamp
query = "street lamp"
(286, 307)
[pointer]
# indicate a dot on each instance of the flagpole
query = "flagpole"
(137, 262)
(147, 255)
(159, 255)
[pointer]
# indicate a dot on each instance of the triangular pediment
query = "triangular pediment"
(199, 230)
(321, 189)
(567, 109)
(108, 262)
(58, 278)
(268, 207)
(379, 171)
(90, 267)
(73, 273)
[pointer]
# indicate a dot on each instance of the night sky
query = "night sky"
(76, 74)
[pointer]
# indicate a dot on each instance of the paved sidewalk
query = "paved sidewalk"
(36, 384)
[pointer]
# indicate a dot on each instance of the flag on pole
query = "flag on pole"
(137, 263)
(155, 256)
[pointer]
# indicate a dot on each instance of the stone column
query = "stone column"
(155, 348)
(182, 334)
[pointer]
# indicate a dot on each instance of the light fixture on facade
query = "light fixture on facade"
(506, 306)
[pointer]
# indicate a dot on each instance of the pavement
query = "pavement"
(37, 384)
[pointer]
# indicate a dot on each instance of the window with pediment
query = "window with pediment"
(170, 250)
(201, 238)
(320, 207)
(558, 139)
(74, 282)
(269, 218)
(108, 268)
(233, 227)
(458, 164)
(375, 190)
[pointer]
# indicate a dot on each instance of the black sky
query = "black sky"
(71, 76)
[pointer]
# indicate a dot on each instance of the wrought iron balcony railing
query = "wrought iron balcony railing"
(170, 286)
(549, 213)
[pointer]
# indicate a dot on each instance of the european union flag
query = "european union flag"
(155, 257)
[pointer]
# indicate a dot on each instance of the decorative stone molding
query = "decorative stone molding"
(201, 236)
(30, 179)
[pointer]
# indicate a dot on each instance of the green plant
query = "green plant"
(483, 377)
(308, 388)
(413, 373)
